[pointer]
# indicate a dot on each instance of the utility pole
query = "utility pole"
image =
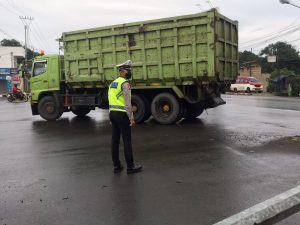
(251, 66)
(12, 60)
(26, 21)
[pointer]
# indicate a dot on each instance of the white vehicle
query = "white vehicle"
(247, 84)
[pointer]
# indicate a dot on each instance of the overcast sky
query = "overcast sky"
(260, 21)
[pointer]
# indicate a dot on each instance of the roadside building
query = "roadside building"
(8, 67)
(253, 69)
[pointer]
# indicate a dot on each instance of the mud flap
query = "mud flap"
(34, 109)
(213, 100)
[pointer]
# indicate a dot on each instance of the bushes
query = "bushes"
(295, 87)
(271, 87)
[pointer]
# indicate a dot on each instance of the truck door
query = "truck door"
(39, 79)
(53, 73)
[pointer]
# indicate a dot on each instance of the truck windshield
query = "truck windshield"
(40, 67)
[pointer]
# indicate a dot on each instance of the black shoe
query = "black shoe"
(134, 169)
(118, 169)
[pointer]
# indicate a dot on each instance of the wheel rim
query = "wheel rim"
(49, 108)
(164, 108)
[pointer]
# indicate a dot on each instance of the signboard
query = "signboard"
(14, 71)
(5, 71)
(272, 58)
(8, 71)
(3, 77)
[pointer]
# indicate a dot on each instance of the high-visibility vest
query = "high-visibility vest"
(115, 95)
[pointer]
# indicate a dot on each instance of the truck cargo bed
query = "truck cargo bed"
(180, 50)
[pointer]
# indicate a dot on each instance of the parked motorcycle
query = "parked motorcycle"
(11, 97)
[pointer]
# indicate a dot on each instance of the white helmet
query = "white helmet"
(128, 63)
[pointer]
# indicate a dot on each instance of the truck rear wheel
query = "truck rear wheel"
(141, 108)
(81, 111)
(48, 109)
(166, 108)
(193, 111)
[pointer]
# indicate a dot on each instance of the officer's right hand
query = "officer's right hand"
(132, 123)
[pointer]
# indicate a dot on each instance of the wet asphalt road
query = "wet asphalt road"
(195, 172)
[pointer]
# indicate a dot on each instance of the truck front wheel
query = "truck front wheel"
(166, 108)
(48, 108)
(81, 111)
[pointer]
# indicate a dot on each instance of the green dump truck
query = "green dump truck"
(180, 66)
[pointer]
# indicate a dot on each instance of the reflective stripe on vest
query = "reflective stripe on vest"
(115, 95)
(117, 107)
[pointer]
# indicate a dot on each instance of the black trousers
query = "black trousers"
(120, 125)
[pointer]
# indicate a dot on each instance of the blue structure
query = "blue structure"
(6, 84)
(9, 86)
(282, 83)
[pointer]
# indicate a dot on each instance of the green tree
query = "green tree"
(12, 42)
(287, 57)
(295, 86)
(247, 56)
(284, 71)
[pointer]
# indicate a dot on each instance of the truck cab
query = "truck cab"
(45, 78)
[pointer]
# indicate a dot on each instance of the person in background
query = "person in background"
(121, 117)
(17, 92)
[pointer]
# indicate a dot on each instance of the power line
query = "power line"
(30, 46)
(10, 36)
(10, 10)
(37, 33)
(272, 38)
(41, 35)
(37, 37)
(15, 8)
(291, 28)
(273, 33)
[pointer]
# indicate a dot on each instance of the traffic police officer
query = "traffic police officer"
(121, 117)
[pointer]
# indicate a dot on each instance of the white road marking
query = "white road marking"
(235, 151)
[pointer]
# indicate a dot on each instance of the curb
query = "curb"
(268, 212)
(239, 93)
